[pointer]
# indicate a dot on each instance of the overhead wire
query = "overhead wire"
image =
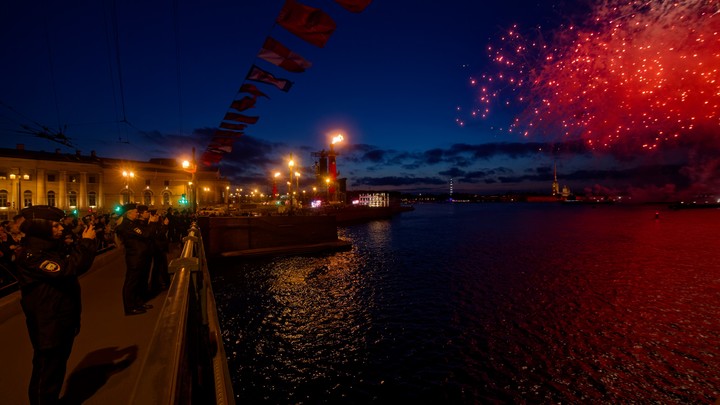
(52, 69)
(176, 23)
(116, 34)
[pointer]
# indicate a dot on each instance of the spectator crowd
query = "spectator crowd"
(73, 226)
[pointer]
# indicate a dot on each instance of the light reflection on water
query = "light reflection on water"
(477, 303)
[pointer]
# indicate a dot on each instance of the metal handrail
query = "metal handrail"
(186, 337)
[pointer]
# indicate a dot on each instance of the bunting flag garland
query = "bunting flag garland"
(309, 23)
(210, 158)
(250, 88)
(229, 134)
(354, 6)
(236, 127)
(219, 148)
(259, 75)
(279, 55)
(244, 103)
(222, 141)
(240, 118)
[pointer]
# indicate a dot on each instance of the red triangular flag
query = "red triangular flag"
(220, 140)
(308, 23)
(209, 158)
(232, 134)
(279, 55)
(354, 6)
(236, 127)
(243, 104)
(240, 118)
(259, 75)
(219, 149)
(250, 88)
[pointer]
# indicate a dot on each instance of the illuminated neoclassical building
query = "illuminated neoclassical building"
(92, 183)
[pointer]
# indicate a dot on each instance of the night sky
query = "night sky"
(406, 82)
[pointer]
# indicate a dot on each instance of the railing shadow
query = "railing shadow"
(94, 371)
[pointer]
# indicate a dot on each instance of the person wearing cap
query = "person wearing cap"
(50, 295)
(136, 238)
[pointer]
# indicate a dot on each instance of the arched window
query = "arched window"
(92, 199)
(3, 198)
(72, 199)
(125, 195)
(27, 198)
(147, 198)
(51, 198)
(166, 198)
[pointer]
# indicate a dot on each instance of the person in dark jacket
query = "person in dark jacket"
(50, 296)
(159, 276)
(136, 238)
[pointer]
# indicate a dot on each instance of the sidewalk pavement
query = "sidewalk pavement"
(107, 354)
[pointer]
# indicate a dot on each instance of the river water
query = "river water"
(485, 303)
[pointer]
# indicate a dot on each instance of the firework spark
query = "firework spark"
(635, 75)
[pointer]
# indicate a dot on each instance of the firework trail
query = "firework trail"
(636, 75)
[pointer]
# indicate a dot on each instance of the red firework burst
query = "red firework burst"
(635, 74)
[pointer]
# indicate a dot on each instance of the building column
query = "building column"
(82, 193)
(41, 198)
(100, 192)
(62, 191)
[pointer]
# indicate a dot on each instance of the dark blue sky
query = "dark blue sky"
(140, 79)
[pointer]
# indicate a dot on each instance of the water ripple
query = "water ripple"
(485, 303)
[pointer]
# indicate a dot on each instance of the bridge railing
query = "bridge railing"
(186, 361)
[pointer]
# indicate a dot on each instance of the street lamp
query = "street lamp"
(191, 167)
(205, 195)
(327, 181)
(274, 184)
(19, 199)
(332, 164)
(291, 164)
(127, 175)
(227, 197)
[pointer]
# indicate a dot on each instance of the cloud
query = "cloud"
(454, 172)
(252, 159)
(397, 181)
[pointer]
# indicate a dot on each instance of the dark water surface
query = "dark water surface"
(478, 303)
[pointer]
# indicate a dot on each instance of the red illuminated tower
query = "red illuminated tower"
(332, 170)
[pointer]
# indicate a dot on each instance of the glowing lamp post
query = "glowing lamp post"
(291, 164)
(332, 166)
(127, 175)
(191, 167)
(19, 198)
(274, 184)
